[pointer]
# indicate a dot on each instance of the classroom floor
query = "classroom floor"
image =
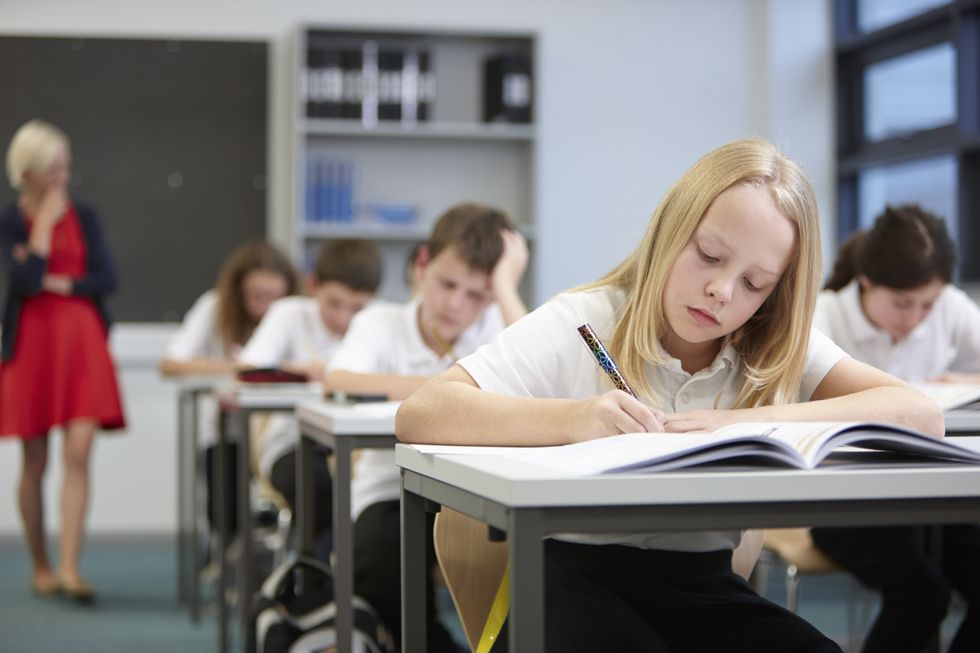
(137, 609)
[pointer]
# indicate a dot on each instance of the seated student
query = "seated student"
(709, 320)
(889, 303)
(222, 319)
(470, 269)
(216, 328)
(301, 334)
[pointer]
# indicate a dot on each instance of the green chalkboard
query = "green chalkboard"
(169, 145)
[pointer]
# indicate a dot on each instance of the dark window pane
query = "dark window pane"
(875, 14)
(929, 182)
(911, 92)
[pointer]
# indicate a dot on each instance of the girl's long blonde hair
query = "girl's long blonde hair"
(773, 342)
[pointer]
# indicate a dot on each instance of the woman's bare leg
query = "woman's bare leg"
(79, 435)
(31, 500)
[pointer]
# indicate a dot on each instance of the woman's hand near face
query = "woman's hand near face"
(612, 413)
(51, 208)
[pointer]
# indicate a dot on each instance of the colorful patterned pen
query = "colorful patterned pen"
(602, 357)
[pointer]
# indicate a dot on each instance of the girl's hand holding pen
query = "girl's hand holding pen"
(612, 413)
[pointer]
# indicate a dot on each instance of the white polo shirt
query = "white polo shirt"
(385, 339)
(542, 355)
(198, 335)
(948, 340)
(292, 330)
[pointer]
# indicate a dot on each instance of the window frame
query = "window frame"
(958, 23)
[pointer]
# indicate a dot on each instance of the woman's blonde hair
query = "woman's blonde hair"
(773, 342)
(33, 147)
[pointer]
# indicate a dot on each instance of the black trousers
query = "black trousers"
(377, 572)
(282, 476)
(618, 598)
(915, 587)
(231, 487)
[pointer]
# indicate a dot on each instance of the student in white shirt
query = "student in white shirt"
(216, 328)
(709, 320)
(889, 302)
(469, 271)
(222, 319)
(302, 334)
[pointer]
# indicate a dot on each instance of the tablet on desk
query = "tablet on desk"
(270, 375)
(355, 397)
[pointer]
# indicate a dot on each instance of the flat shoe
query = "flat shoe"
(79, 591)
(47, 588)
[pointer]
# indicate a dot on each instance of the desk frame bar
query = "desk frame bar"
(343, 526)
(527, 528)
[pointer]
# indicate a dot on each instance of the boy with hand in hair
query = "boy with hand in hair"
(469, 271)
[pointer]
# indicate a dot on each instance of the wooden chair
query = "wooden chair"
(795, 548)
(473, 568)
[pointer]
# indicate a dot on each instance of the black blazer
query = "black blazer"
(24, 279)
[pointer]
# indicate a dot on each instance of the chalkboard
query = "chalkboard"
(169, 146)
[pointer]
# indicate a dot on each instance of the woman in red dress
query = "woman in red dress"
(55, 367)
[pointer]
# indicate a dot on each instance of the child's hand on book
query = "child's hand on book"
(703, 420)
(613, 413)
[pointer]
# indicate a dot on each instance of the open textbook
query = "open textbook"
(801, 445)
(952, 396)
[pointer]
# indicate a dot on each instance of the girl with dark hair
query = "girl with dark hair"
(890, 303)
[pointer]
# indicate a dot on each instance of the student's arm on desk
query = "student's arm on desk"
(396, 386)
(851, 391)
(196, 366)
(452, 409)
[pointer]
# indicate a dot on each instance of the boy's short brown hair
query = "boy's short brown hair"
(353, 262)
(473, 231)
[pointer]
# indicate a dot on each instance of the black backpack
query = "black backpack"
(295, 613)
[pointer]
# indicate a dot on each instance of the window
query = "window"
(929, 182)
(875, 14)
(908, 91)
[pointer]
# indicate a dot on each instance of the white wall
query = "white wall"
(630, 93)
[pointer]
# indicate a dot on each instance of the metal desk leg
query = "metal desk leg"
(415, 573)
(304, 495)
(194, 544)
(183, 573)
(343, 546)
(245, 526)
(218, 491)
(525, 546)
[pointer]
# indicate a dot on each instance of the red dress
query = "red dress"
(61, 369)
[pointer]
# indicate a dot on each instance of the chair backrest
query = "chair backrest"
(472, 565)
(795, 546)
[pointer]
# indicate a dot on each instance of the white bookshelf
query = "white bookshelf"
(428, 165)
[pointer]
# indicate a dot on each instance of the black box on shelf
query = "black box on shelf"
(507, 88)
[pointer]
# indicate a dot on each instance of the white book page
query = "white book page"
(950, 395)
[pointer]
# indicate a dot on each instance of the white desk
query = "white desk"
(342, 428)
(190, 389)
(963, 421)
(531, 503)
(237, 402)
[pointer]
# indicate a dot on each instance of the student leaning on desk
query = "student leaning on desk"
(469, 271)
(889, 302)
(709, 319)
(302, 334)
(214, 331)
